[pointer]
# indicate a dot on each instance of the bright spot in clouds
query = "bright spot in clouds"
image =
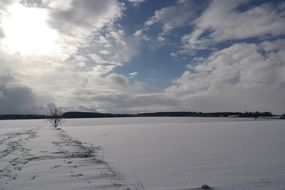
(27, 32)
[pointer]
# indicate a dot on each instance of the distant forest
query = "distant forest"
(154, 114)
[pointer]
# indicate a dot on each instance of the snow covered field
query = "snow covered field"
(156, 153)
(35, 156)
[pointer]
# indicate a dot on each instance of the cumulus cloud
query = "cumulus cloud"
(79, 23)
(181, 14)
(225, 20)
(239, 77)
(113, 93)
(89, 33)
(92, 46)
(85, 14)
(68, 86)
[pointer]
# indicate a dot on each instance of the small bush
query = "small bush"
(206, 187)
(55, 117)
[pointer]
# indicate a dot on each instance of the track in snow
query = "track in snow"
(48, 158)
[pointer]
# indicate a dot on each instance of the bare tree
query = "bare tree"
(55, 117)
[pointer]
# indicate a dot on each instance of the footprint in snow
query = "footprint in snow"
(56, 166)
(76, 175)
(34, 177)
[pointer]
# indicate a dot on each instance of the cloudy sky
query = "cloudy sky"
(129, 56)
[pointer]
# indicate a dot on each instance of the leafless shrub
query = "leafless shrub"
(55, 117)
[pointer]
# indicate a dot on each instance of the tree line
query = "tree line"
(66, 115)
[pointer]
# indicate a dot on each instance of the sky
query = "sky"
(130, 56)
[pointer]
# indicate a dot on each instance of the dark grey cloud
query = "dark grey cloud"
(17, 99)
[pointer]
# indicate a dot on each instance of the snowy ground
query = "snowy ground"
(143, 153)
(47, 158)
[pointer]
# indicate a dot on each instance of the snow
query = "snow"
(42, 157)
(143, 153)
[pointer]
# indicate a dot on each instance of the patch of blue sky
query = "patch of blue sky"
(135, 16)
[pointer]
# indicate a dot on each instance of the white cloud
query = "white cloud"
(80, 22)
(42, 80)
(84, 15)
(110, 46)
(237, 78)
(172, 16)
(3, 6)
(222, 21)
(136, 2)
(181, 14)
(132, 75)
(92, 46)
